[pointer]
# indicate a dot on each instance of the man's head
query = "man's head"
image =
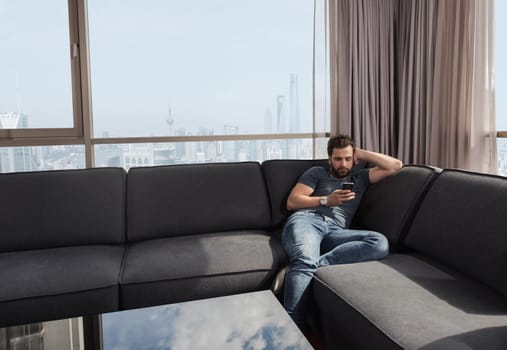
(340, 150)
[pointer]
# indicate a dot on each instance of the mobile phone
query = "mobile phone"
(347, 186)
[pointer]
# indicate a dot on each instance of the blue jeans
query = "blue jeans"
(312, 240)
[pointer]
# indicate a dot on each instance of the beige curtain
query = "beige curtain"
(362, 72)
(413, 78)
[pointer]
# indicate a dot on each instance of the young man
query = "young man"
(318, 233)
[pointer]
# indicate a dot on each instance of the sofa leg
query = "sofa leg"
(277, 285)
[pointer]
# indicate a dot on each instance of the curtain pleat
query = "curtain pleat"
(413, 78)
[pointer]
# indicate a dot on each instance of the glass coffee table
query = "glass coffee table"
(244, 321)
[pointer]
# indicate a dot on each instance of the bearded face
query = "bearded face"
(341, 162)
(340, 172)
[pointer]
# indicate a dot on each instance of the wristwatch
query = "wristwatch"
(323, 200)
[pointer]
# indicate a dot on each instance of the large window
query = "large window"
(186, 68)
(35, 66)
(88, 83)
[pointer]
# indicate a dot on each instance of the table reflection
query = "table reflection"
(243, 321)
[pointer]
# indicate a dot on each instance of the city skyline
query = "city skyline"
(27, 158)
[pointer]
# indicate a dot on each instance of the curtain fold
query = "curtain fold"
(362, 82)
(413, 78)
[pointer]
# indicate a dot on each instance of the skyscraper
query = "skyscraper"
(170, 121)
(293, 104)
(230, 147)
(280, 114)
(268, 121)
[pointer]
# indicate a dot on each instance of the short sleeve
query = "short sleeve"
(311, 177)
(364, 174)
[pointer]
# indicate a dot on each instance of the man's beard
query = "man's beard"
(341, 172)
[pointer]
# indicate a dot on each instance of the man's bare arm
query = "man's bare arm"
(301, 197)
(384, 165)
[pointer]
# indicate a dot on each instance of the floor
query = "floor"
(316, 339)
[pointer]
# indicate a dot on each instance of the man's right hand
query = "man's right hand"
(338, 197)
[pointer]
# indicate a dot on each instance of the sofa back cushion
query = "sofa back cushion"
(177, 200)
(389, 206)
(462, 223)
(281, 175)
(62, 208)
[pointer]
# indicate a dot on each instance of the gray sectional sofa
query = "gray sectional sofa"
(79, 242)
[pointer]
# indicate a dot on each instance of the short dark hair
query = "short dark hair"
(340, 141)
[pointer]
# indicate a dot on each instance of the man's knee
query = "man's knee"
(301, 257)
(379, 243)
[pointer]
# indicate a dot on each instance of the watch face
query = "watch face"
(323, 200)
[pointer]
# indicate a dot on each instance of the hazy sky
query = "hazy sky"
(213, 62)
(34, 61)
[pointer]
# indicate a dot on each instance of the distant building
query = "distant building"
(135, 155)
(280, 114)
(293, 104)
(13, 120)
(268, 121)
(230, 148)
(17, 158)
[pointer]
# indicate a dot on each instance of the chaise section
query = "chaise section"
(408, 302)
(197, 231)
(449, 292)
(61, 243)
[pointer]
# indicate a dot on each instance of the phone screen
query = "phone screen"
(347, 186)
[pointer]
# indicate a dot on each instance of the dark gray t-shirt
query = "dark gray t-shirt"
(323, 184)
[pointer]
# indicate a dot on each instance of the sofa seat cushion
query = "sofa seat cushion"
(192, 267)
(405, 302)
(52, 277)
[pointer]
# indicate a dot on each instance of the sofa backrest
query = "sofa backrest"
(177, 200)
(62, 208)
(389, 206)
(462, 223)
(281, 175)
